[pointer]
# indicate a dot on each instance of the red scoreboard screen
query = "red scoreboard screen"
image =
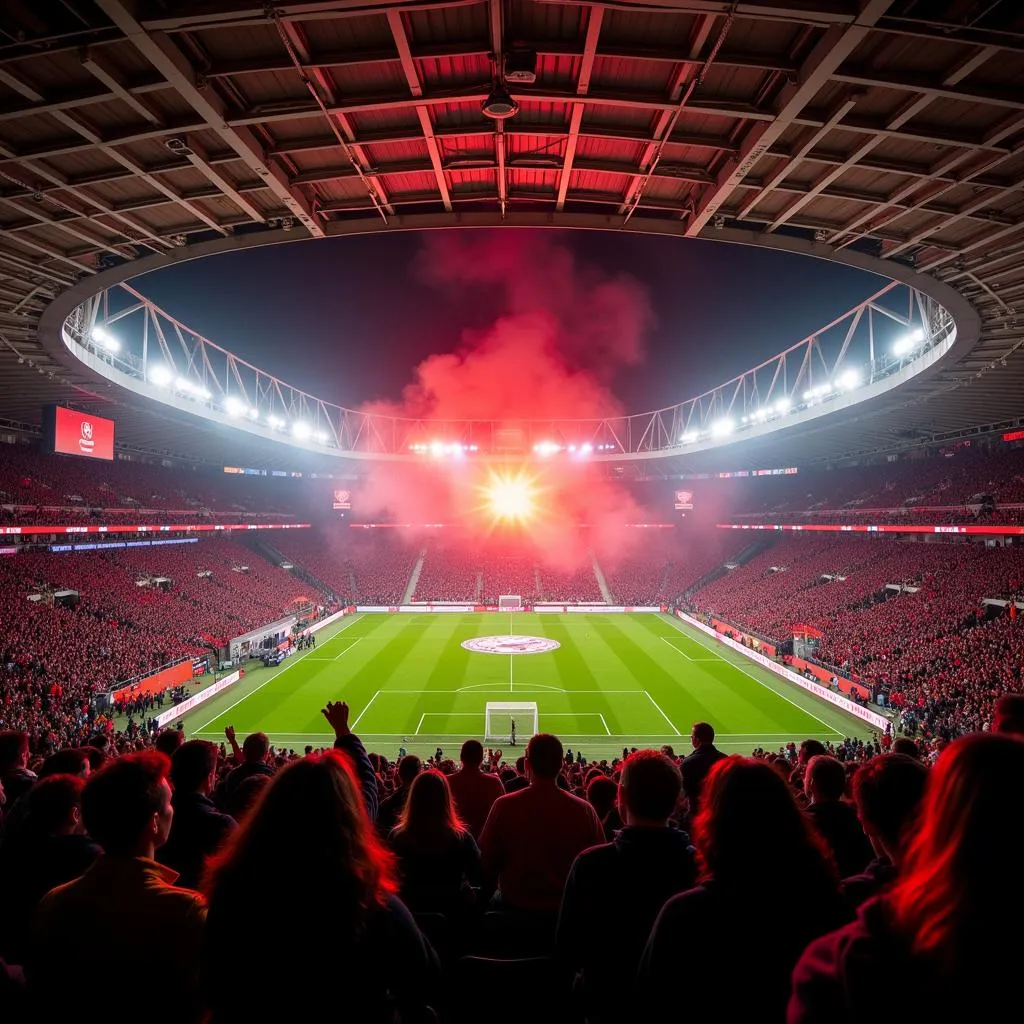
(79, 433)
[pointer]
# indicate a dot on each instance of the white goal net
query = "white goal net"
(510, 603)
(499, 716)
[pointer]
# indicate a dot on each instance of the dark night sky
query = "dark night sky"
(347, 319)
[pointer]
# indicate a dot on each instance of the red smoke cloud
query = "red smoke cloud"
(560, 332)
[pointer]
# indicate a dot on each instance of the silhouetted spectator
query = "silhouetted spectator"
(438, 858)
(69, 761)
(1008, 717)
(768, 888)
(532, 837)
(254, 753)
(137, 918)
(199, 829)
(473, 790)
(48, 848)
(834, 818)
(696, 766)
(391, 807)
(942, 943)
(15, 777)
(602, 795)
(617, 889)
(888, 791)
(311, 843)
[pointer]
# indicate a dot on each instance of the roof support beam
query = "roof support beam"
(494, 21)
(169, 61)
(909, 111)
(835, 46)
(664, 123)
(594, 19)
(321, 88)
(413, 78)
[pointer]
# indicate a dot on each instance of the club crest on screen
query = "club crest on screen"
(85, 442)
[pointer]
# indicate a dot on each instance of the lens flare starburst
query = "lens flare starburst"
(510, 498)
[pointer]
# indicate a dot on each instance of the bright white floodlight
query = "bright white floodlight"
(907, 344)
(722, 428)
(301, 430)
(234, 406)
(782, 406)
(321, 437)
(160, 375)
(275, 422)
(104, 338)
(848, 380)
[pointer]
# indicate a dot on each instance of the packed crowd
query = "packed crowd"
(54, 489)
(948, 480)
(54, 656)
(862, 883)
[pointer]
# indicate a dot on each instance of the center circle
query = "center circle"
(511, 644)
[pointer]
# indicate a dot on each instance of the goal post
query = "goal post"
(499, 716)
(510, 603)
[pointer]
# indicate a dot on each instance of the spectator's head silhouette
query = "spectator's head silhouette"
(649, 788)
(472, 754)
(13, 750)
(307, 842)
(752, 834)
(1009, 715)
(69, 761)
(959, 886)
(256, 747)
(888, 791)
(53, 806)
(825, 779)
(429, 817)
(193, 767)
(168, 741)
(126, 805)
(702, 734)
(543, 757)
(408, 768)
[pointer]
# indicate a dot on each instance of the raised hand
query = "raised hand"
(336, 714)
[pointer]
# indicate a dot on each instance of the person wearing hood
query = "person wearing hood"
(617, 889)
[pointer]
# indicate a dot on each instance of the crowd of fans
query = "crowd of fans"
(790, 886)
(57, 653)
(46, 488)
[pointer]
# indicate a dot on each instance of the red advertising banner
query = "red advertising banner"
(157, 682)
(1014, 435)
(974, 531)
(24, 531)
(81, 433)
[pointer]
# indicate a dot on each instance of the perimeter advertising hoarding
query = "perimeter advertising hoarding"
(69, 432)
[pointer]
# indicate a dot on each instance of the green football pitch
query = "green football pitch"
(613, 680)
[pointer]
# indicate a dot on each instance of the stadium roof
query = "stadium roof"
(887, 133)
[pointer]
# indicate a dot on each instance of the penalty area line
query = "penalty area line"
(662, 713)
(365, 709)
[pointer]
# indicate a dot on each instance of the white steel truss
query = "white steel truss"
(899, 330)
